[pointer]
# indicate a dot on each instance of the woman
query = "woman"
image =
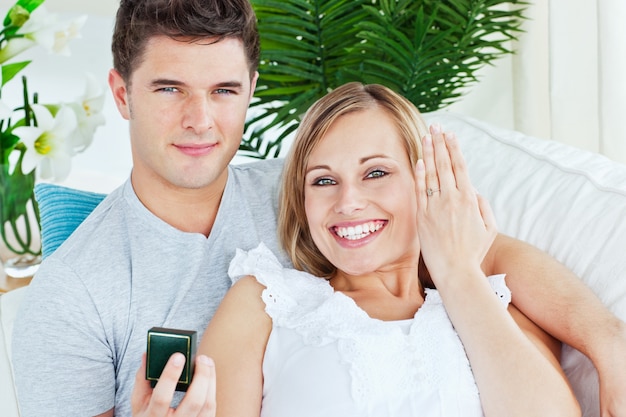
(367, 338)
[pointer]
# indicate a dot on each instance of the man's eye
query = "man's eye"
(377, 173)
(168, 89)
(224, 91)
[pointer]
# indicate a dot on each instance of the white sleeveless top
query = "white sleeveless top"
(326, 357)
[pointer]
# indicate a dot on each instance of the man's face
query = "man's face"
(186, 104)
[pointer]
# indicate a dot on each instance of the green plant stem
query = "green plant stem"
(27, 109)
(23, 244)
(16, 193)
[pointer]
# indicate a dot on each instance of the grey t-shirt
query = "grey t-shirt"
(81, 330)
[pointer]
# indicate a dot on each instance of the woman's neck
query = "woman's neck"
(386, 295)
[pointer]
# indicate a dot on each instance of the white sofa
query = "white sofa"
(568, 202)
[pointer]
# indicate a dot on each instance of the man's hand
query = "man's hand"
(199, 401)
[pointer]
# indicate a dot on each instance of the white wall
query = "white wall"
(97, 7)
(107, 161)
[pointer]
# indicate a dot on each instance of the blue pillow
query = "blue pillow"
(61, 211)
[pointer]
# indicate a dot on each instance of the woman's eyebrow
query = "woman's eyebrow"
(316, 167)
(367, 158)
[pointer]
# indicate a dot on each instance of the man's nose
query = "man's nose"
(198, 115)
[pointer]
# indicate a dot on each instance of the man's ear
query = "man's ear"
(120, 93)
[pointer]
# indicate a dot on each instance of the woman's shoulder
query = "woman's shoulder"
(247, 286)
(242, 312)
(285, 291)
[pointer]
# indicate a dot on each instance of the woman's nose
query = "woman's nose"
(350, 199)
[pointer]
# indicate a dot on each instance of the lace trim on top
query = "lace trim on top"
(384, 362)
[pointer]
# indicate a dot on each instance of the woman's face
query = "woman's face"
(360, 195)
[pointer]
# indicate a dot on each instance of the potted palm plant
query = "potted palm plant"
(427, 50)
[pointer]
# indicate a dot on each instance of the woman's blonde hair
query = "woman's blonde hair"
(293, 229)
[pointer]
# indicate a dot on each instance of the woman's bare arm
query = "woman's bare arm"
(456, 229)
(235, 339)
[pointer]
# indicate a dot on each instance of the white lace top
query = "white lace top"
(326, 357)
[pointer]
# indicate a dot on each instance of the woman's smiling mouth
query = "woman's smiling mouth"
(358, 231)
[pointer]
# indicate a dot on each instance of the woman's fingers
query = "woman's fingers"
(457, 163)
(431, 179)
(487, 214)
(420, 187)
(443, 164)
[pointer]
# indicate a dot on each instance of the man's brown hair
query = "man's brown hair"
(137, 21)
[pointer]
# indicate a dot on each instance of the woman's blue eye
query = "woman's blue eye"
(377, 173)
(323, 181)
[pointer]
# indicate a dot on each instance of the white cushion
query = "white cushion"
(568, 202)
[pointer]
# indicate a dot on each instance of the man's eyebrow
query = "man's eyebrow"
(229, 84)
(167, 81)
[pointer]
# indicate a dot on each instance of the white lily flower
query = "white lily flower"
(89, 113)
(44, 29)
(48, 144)
(71, 30)
(14, 47)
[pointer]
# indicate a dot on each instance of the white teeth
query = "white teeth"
(359, 231)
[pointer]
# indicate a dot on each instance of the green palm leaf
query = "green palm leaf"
(427, 50)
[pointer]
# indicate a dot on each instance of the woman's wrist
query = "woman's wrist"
(457, 277)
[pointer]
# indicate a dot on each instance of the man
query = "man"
(155, 252)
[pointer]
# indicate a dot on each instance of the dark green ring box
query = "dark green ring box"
(163, 343)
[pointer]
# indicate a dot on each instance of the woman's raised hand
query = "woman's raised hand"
(456, 226)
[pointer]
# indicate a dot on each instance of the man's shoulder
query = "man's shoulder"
(258, 175)
(271, 165)
(99, 227)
